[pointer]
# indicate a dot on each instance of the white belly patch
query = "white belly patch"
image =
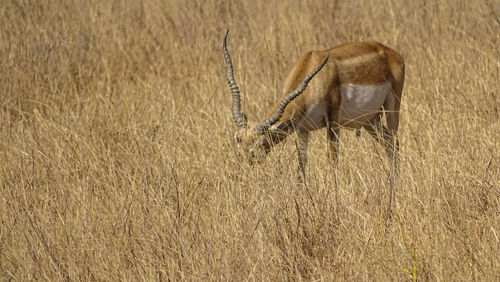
(360, 103)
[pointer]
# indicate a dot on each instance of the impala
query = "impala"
(349, 86)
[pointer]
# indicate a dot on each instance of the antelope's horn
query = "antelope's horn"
(263, 126)
(238, 117)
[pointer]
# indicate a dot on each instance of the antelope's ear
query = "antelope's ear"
(282, 127)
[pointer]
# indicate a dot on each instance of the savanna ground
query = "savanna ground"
(116, 160)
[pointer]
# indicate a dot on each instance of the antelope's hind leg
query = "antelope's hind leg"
(387, 137)
(391, 108)
(303, 136)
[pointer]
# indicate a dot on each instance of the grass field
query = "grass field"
(116, 161)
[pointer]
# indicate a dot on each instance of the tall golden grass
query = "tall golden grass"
(116, 160)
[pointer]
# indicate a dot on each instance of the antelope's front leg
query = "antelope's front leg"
(303, 136)
(333, 141)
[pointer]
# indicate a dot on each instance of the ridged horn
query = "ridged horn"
(238, 117)
(263, 126)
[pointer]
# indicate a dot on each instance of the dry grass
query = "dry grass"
(116, 161)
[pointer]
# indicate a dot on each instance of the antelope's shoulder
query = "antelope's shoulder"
(304, 65)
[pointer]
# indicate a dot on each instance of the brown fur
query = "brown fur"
(357, 63)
